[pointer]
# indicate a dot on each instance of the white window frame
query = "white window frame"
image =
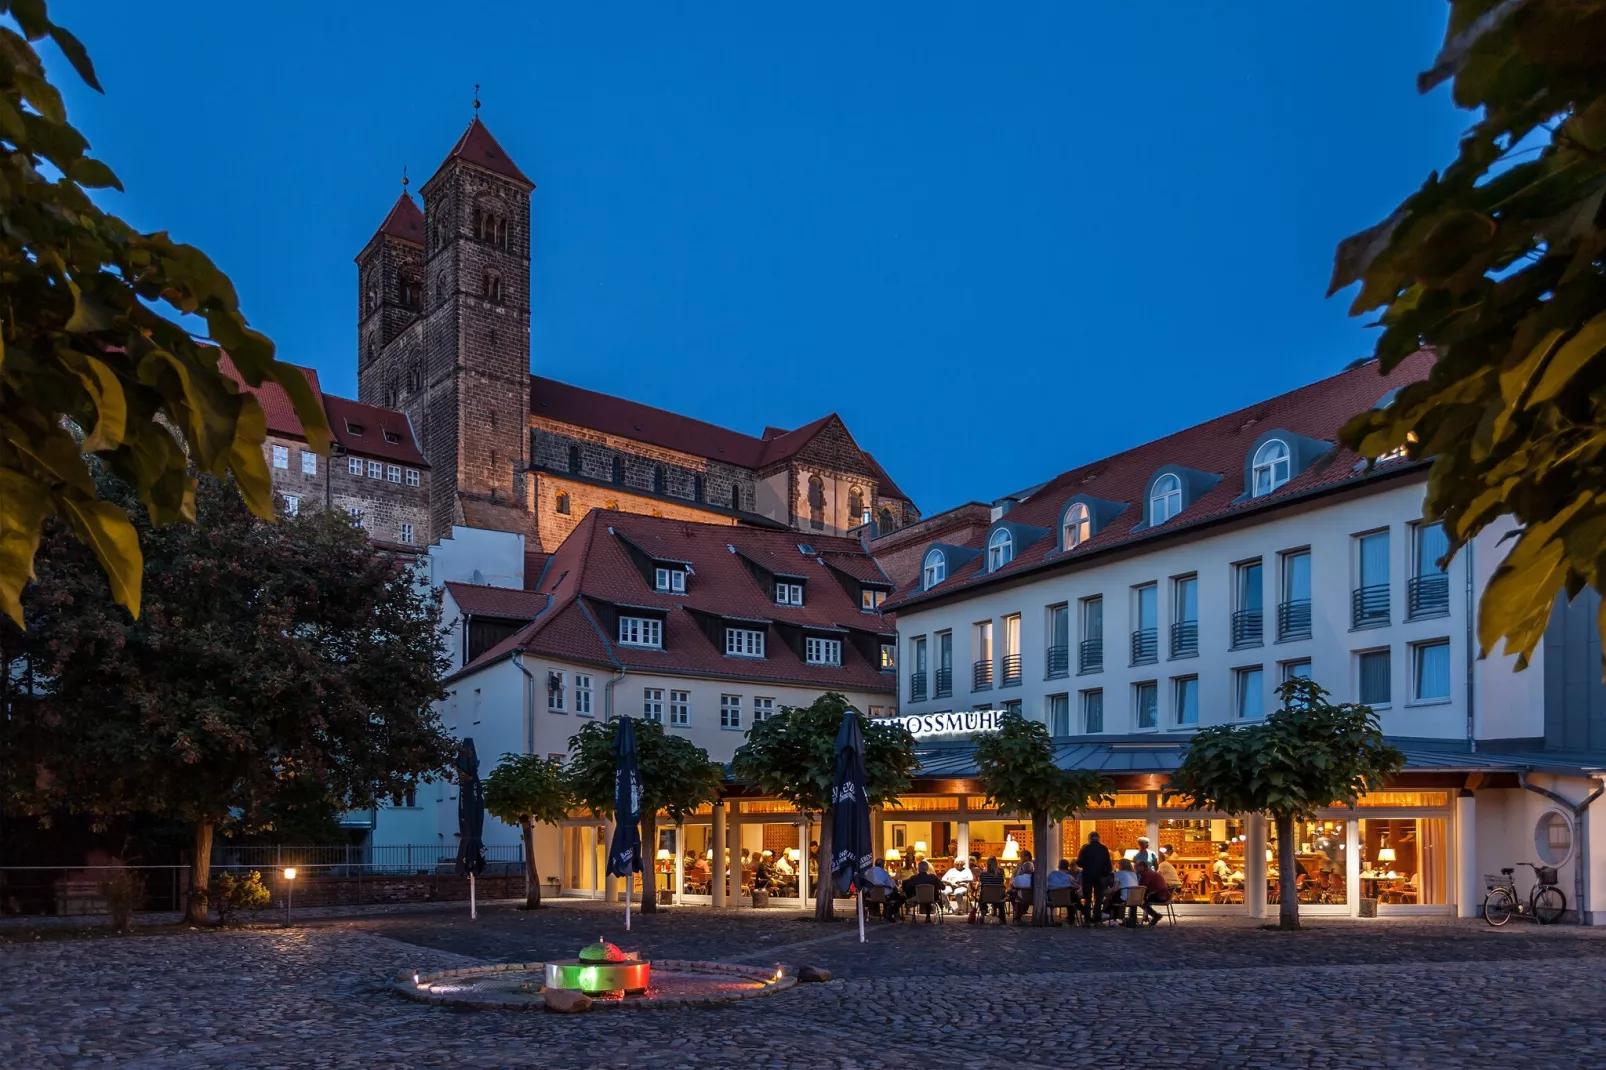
(554, 695)
(680, 709)
(1179, 686)
(376, 470)
(1137, 706)
(582, 694)
(642, 632)
(744, 643)
(411, 475)
(309, 463)
(1084, 699)
(889, 657)
(355, 512)
(1417, 698)
(405, 533)
(1241, 689)
(354, 465)
(788, 594)
(652, 704)
(1274, 461)
(763, 708)
(292, 505)
(393, 473)
(281, 457)
(1000, 549)
(934, 570)
(870, 599)
(818, 651)
(730, 713)
(1288, 670)
(1166, 499)
(1361, 655)
(1078, 526)
(670, 580)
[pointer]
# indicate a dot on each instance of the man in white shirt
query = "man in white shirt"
(957, 883)
(782, 866)
(880, 878)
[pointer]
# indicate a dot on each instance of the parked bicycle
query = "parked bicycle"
(1546, 903)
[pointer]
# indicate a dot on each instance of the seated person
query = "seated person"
(1168, 872)
(783, 866)
(1221, 870)
(992, 875)
(923, 876)
(1061, 877)
(957, 881)
(1020, 887)
(1126, 877)
(880, 878)
(1156, 890)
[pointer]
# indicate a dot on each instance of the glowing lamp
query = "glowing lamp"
(1130, 853)
(1011, 850)
(894, 855)
(663, 854)
(1385, 854)
(289, 873)
(920, 847)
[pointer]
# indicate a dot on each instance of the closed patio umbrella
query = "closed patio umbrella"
(470, 820)
(851, 849)
(624, 853)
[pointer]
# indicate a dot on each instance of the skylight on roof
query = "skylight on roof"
(805, 549)
(353, 429)
(391, 436)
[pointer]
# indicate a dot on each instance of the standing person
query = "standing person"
(1094, 859)
(1145, 855)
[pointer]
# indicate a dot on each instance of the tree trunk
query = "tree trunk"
(1287, 864)
(649, 860)
(1040, 869)
(532, 876)
(200, 874)
(824, 893)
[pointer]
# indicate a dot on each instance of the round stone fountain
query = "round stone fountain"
(608, 977)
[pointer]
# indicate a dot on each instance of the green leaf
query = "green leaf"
(1573, 356)
(106, 529)
(77, 55)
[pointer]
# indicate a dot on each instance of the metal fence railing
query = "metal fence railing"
(324, 876)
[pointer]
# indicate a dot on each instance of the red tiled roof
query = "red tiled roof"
(367, 430)
(594, 566)
(611, 415)
(405, 221)
(281, 415)
(510, 603)
(477, 146)
(534, 562)
(1218, 446)
(888, 488)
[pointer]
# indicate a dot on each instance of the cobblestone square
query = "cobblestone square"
(1206, 993)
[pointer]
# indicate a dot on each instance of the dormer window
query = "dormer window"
(744, 643)
(393, 438)
(871, 599)
(1000, 549)
(823, 651)
(671, 580)
(641, 631)
(935, 570)
(788, 594)
(1271, 467)
(353, 429)
(1165, 501)
(1078, 526)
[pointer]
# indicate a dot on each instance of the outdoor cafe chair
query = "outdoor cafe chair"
(992, 895)
(1062, 899)
(876, 895)
(926, 901)
(1131, 900)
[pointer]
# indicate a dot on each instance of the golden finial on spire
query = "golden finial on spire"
(476, 100)
(404, 178)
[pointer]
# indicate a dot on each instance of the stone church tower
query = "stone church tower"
(444, 329)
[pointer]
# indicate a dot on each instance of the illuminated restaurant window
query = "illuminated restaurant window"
(1403, 861)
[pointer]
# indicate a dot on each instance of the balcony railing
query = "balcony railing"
(1293, 619)
(1427, 596)
(981, 675)
(1059, 660)
(1369, 605)
(1090, 655)
(1010, 664)
(1248, 627)
(1145, 645)
(917, 687)
(945, 683)
(1184, 638)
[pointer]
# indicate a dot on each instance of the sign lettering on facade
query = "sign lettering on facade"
(956, 724)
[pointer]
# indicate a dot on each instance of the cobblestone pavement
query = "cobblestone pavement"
(1208, 993)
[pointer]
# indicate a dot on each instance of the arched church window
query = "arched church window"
(856, 514)
(816, 502)
(493, 287)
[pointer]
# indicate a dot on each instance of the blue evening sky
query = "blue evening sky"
(1000, 240)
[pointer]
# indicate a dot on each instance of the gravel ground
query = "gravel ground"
(1207, 993)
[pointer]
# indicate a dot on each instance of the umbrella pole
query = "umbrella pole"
(628, 883)
(861, 915)
(473, 907)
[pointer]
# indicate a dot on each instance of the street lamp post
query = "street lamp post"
(289, 892)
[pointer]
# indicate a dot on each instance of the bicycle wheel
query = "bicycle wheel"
(1498, 906)
(1549, 904)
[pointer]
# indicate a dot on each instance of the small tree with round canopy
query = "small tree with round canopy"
(527, 790)
(1307, 755)
(1017, 771)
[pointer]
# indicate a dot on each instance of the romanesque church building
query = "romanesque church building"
(443, 337)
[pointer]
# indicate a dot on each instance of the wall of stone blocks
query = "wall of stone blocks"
(553, 527)
(550, 441)
(384, 505)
